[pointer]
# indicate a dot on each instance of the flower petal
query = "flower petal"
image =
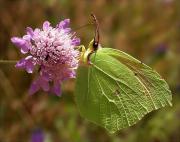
(76, 41)
(46, 25)
(34, 87)
(30, 31)
(64, 24)
(27, 38)
(21, 63)
(26, 63)
(56, 88)
(21, 43)
(29, 67)
(72, 74)
(36, 32)
(67, 30)
(18, 41)
(44, 84)
(24, 50)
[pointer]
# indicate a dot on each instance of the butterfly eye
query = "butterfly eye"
(95, 45)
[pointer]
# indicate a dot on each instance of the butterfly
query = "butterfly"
(115, 90)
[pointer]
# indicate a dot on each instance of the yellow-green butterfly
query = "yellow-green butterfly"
(115, 90)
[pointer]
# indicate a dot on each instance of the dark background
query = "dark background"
(148, 30)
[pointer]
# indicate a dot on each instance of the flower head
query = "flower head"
(53, 50)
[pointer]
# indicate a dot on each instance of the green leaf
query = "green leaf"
(117, 90)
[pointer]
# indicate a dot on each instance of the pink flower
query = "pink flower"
(53, 51)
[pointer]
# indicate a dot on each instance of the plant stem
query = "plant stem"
(8, 61)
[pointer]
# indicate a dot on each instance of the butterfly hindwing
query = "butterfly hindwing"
(117, 90)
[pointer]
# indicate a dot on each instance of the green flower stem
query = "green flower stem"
(8, 61)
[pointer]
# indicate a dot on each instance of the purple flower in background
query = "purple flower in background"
(37, 136)
(53, 50)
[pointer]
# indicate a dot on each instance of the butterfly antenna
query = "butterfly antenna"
(96, 36)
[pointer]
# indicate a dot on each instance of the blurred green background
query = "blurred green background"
(148, 30)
